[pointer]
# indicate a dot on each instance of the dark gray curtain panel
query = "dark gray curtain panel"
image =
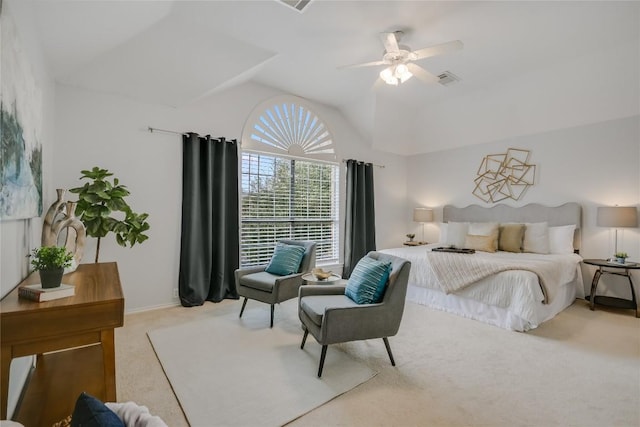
(209, 246)
(360, 227)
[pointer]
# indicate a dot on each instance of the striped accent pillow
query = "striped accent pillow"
(285, 260)
(368, 281)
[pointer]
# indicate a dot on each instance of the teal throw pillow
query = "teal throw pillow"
(285, 260)
(368, 281)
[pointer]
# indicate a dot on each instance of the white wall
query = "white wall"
(95, 129)
(594, 165)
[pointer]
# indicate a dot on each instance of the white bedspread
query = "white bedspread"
(454, 271)
(516, 290)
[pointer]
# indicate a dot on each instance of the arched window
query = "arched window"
(289, 181)
(286, 125)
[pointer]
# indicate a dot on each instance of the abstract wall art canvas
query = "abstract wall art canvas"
(20, 129)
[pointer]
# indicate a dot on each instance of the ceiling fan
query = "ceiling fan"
(399, 60)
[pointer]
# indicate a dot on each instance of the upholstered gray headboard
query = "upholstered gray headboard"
(567, 214)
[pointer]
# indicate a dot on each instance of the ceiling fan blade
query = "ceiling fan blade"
(390, 42)
(365, 64)
(421, 73)
(437, 49)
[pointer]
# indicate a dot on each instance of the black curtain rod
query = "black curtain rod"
(378, 166)
(175, 132)
(152, 130)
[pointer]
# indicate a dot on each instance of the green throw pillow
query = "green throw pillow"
(368, 281)
(285, 260)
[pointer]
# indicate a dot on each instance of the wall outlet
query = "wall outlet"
(175, 292)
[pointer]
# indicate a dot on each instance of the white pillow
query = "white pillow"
(134, 415)
(561, 239)
(483, 228)
(456, 234)
(443, 232)
(536, 238)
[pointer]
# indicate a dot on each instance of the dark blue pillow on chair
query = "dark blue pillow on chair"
(91, 412)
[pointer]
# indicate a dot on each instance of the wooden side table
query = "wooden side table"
(620, 270)
(313, 280)
(82, 325)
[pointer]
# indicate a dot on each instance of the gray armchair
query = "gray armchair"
(332, 317)
(255, 283)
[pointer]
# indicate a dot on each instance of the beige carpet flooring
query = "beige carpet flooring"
(581, 368)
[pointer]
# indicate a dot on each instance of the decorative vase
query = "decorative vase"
(75, 234)
(51, 278)
(620, 260)
(49, 237)
(61, 220)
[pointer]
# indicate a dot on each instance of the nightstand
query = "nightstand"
(620, 270)
(415, 243)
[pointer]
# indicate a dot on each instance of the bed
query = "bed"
(507, 288)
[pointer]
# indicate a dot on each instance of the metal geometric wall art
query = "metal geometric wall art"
(504, 176)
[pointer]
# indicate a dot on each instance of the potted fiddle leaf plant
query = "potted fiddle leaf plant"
(50, 262)
(103, 209)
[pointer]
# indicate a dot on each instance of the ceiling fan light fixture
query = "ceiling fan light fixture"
(401, 69)
(396, 74)
(388, 76)
(402, 73)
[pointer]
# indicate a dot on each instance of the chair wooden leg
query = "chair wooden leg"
(304, 338)
(272, 308)
(322, 356)
(386, 344)
(244, 303)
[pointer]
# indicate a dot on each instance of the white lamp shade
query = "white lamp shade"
(617, 216)
(422, 215)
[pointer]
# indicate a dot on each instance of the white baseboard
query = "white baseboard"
(152, 307)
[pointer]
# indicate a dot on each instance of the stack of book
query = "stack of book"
(38, 293)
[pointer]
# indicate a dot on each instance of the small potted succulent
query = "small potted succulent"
(50, 262)
(621, 257)
(410, 236)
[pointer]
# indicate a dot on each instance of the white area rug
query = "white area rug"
(228, 371)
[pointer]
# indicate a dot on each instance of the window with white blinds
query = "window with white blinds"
(285, 198)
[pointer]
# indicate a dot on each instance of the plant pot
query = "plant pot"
(51, 278)
(620, 260)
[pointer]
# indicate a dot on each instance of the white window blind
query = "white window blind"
(285, 198)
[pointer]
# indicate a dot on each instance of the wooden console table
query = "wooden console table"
(82, 325)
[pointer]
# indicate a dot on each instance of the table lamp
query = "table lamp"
(617, 216)
(422, 215)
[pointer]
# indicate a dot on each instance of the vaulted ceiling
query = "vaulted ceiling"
(526, 67)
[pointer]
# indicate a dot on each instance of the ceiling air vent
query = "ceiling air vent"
(448, 78)
(298, 5)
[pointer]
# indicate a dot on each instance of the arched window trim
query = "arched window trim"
(295, 127)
